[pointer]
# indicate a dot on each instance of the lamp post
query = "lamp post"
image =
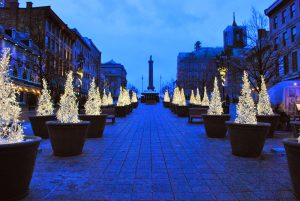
(222, 64)
(142, 83)
(223, 70)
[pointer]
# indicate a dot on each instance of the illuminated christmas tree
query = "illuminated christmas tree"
(198, 98)
(110, 99)
(68, 107)
(192, 98)
(11, 130)
(205, 100)
(121, 98)
(104, 98)
(176, 96)
(45, 105)
(166, 96)
(182, 101)
(264, 105)
(126, 97)
(134, 98)
(246, 111)
(93, 103)
(215, 104)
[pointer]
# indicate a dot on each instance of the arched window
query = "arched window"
(15, 71)
(24, 75)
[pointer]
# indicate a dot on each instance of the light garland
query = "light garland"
(215, 104)
(192, 98)
(11, 130)
(68, 107)
(93, 103)
(205, 100)
(264, 105)
(166, 97)
(110, 100)
(45, 105)
(104, 98)
(246, 111)
(126, 97)
(198, 98)
(134, 97)
(182, 101)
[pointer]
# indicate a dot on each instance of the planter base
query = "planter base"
(67, 139)
(215, 126)
(272, 119)
(97, 124)
(247, 140)
(292, 148)
(17, 170)
(39, 127)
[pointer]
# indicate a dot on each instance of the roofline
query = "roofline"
(77, 33)
(274, 6)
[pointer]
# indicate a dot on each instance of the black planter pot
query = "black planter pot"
(247, 140)
(97, 124)
(67, 139)
(182, 111)
(172, 106)
(166, 104)
(17, 165)
(130, 107)
(272, 119)
(194, 106)
(135, 105)
(292, 148)
(121, 111)
(215, 125)
(39, 127)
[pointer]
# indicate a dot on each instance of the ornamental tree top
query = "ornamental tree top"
(192, 98)
(121, 98)
(264, 105)
(93, 103)
(68, 107)
(45, 105)
(104, 98)
(11, 130)
(182, 98)
(215, 104)
(134, 97)
(246, 111)
(110, 100)
(198, 98)
(176, 96)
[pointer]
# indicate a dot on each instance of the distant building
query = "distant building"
(197, 69)
(115, 75)
(284, 18)
(48, 32)
(234, 36)
(24, 54)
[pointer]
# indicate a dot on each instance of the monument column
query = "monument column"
(150, 86)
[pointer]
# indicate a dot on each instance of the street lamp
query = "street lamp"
(223, 71)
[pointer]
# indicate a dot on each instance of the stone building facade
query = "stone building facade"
(284, 19)
(24, 54)
(115, 74)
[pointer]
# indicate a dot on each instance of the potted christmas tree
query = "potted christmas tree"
(17, 152)
(110, 100)
(192, 99)
(134, 100)
(264, 109)
(292, 149)
(166, 101)
(104, 101)
(121, 107)
(182, 109)
(247, 137)
(67, 135)
(175, 100)
(93, 113)
(214, 121)
(205, 100)
(44, 113)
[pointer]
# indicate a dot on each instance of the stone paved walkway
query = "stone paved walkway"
(154, 155)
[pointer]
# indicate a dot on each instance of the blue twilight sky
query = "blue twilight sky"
(129, 31)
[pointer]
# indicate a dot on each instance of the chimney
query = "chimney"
(13, 4)
(29, 4)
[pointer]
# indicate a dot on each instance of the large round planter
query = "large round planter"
(67, 139)
(182, 111)
(215, 125)
(97, 124)
(272, 119)
(292, 148)
(166, 104)
(17, 165)
(135, 105)
(247, 140)
(194, 106)
(39, 127)
(121, 111)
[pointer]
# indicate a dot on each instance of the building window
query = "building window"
(284, 16)
(295, 61)
(24, 76)
(276, 43)
(285, 38)
(293, 34)
(275, 22)
(286, 64)
(293, 10)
